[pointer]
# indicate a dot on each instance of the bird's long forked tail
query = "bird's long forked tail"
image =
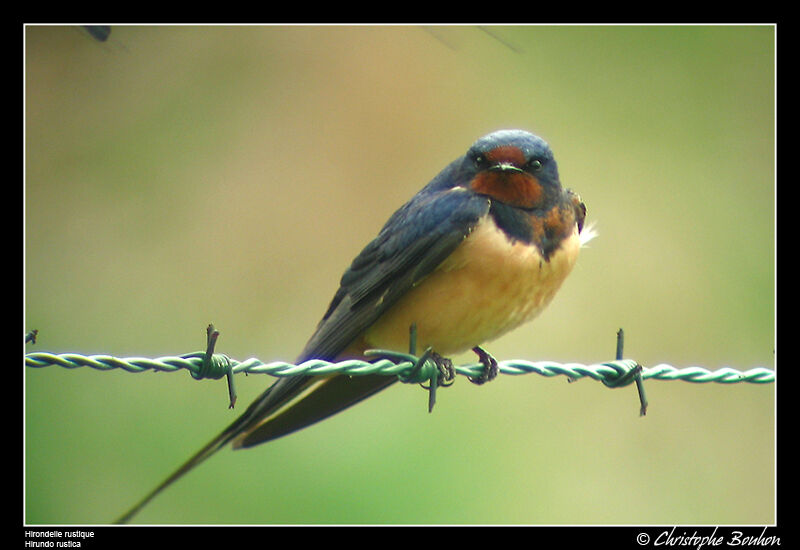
(270, 402)
(288, 405)
(212, 447)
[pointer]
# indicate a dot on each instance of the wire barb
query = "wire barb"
(634, 374)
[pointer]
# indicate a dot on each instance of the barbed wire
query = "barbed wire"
(408, 367)
(400, 364)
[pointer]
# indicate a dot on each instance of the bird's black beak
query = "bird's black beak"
(505, 167)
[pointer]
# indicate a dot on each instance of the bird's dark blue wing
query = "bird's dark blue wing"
(414, 241)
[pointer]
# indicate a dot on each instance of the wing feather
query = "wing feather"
(410, 246)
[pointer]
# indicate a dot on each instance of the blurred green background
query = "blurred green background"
(180, 175)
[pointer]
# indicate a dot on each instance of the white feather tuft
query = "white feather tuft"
(589, 232)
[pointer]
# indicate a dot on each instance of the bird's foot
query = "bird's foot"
(489, 367)
(446, 376)
(447, 372)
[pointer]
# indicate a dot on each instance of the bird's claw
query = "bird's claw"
(489, 367)
(447, 372)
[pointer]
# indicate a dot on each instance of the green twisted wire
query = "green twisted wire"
(392, 364)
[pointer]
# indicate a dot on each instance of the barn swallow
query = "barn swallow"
(478, 251)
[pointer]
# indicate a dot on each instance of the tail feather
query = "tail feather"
(287, 406)
(323, 398)
(212, 447)
(274, 397)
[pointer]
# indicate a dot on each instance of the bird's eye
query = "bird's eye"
(479, 160)
(535, 165)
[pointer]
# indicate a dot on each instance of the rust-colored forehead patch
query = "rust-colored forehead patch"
(507, 153)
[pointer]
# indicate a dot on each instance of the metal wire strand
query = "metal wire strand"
(393, 364)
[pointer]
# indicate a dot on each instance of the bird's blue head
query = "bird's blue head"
(514, 167)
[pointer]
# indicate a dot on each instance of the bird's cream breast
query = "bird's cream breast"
(488, 286)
